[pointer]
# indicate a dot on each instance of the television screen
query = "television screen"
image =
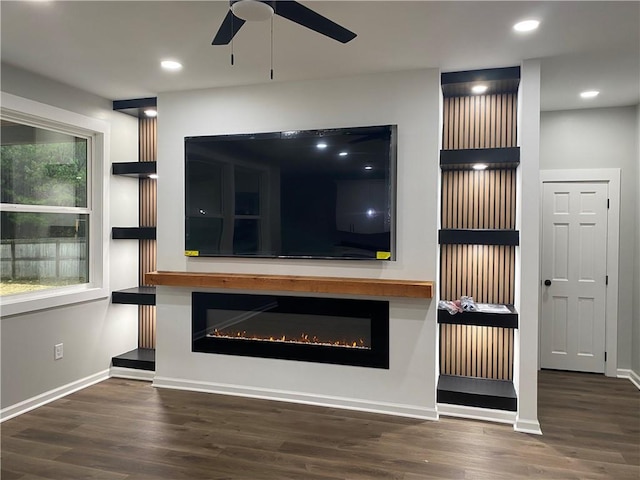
(297, 194)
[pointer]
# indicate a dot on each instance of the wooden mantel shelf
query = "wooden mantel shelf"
(292, 283)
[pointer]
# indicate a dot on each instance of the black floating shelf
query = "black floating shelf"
(139, 359)
(135, 296)
(481, 319)
(478, 236)
(477, 392)
(505, 157)
(135, 106)
(498, 80)
(134, 169)
(133, 233)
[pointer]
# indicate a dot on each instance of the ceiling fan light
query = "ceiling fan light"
(252, 10)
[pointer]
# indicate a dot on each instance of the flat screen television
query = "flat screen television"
(298, 194)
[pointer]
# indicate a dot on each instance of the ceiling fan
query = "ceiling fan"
(248, 10)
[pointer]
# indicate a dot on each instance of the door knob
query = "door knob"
(547, 283)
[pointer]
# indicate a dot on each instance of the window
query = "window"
(50, 206)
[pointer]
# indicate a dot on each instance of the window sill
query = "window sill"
(55, 297)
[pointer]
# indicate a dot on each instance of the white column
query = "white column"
(528, 263)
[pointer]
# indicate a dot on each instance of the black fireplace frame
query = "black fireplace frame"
(375, 310)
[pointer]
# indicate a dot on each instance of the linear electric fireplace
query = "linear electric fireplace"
(312, 329)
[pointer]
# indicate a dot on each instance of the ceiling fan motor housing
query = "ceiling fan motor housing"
(252, 10)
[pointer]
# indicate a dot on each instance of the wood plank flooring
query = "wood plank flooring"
(128, 430)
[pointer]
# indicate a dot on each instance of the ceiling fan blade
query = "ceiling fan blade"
(298, 13)
(230, 26)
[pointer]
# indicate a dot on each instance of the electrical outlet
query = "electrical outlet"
(58, 351)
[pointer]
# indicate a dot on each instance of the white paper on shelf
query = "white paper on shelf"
(492, 308)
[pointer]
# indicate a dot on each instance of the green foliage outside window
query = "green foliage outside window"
(47, 248)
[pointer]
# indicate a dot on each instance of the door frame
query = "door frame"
(610, 176)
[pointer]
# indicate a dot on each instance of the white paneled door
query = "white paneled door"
(574, 269)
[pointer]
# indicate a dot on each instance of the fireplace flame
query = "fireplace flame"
(304, 338)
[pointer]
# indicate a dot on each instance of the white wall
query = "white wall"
(408, 99)
(603, 138)
(92, 332)
(635, 359)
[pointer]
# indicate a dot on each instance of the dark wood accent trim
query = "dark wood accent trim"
(477, 392)
(479, 236)
(135, 103)
(505, 157)
(135, 296)
(140, 359)
(133, 233)
(483, 319)
(134, 169)
(136, 106)
(291, 283)
(488, 74)
(498, 80)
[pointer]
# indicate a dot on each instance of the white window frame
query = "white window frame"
(97, 132)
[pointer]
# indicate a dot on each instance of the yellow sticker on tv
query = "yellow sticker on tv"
(191, 253)
(383, 255)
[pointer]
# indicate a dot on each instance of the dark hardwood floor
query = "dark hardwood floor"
(122, 429)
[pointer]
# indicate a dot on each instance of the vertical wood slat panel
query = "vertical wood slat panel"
(484, 272)
(147, 152)
(478, 199)
(147, 139)
(481, 121)
(146, 326)
(474, 351)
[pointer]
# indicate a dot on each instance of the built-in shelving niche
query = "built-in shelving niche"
(478, 237)
(142, 358)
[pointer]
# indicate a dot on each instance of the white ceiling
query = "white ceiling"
(113, 49)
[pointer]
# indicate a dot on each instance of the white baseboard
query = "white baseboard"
(527, 426)
(401, 410)
(477, 413)
(132, 374)
(629, 374)
(47, 397)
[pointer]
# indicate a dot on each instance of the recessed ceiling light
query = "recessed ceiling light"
(171, 65)
(151, 113)
(368, 167)
(526, 26)
(321, 145)
(479, 88)
(343, 154)
(480, 166)
(590, 94)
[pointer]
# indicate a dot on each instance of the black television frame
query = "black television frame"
(310, 133)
